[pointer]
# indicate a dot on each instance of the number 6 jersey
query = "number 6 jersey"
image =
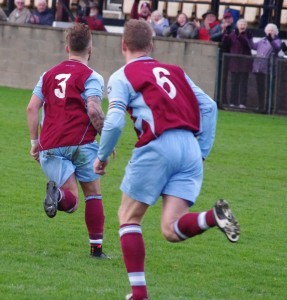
(159, 97)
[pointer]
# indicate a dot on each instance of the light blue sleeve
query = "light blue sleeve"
(38, 88)
(118, 95)
(94, 86)
(208, 119)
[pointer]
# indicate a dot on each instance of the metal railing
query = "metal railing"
(250, 83)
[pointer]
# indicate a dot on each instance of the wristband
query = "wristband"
(34, 142)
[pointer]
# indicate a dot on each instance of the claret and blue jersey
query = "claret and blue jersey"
(158, 97)
(64, 90)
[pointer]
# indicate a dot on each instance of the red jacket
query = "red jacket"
(94, 23)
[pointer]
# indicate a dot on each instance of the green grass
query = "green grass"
(44, 258)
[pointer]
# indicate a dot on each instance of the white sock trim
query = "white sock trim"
(137, 278)
(202, 221)
(99, 241)
(130, 229)
(178, 232)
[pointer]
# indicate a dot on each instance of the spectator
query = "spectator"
(94, 20)
(238, 42)
(20, 14)
(158, 23)
(42, 15)
(70, 94)
(226, 26)
(182, 28)
(175, 122)
(266, 47)
(145, 11)
(208, 27)
(3, 16)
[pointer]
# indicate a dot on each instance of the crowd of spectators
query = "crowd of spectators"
(234, 38)
(41, 15)
(246, 55)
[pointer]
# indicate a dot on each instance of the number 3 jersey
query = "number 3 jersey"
(64, 90)
(158, 97)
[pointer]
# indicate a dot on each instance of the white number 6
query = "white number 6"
(161, 80)
(60, 93)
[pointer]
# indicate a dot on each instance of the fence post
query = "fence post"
(218, 76)
(271, 85)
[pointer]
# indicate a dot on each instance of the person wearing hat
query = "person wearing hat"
(145, 11)
(208, 27)
(227, 25)
(93, 20)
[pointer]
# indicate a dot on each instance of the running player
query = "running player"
(71, 95)
(175, 122)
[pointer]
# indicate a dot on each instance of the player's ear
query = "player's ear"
(67, 49)
(151, 47)
(124, 46)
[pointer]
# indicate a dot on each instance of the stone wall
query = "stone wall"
(27, 51)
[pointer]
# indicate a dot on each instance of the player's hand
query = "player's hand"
(100, 166)
(114, 153)
(35, 152)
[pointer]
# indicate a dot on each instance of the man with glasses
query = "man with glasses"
(20, 14)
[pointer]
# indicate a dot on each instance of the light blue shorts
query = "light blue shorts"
(60, 163)
(171, 165)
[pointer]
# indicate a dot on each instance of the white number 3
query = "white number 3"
(161, 80)
(60, 93)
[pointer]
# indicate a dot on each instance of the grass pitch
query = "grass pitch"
(44, 258)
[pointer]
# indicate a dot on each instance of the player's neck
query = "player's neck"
(80, 59)
(134, 55)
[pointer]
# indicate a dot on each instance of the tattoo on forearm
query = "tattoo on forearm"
(96, 113)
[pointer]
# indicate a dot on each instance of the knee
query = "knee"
(74, 208)
(169, 233)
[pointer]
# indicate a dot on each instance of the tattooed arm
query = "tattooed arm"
(96, 113)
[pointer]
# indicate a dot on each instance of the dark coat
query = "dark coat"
(45, 18)
(238, 44)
